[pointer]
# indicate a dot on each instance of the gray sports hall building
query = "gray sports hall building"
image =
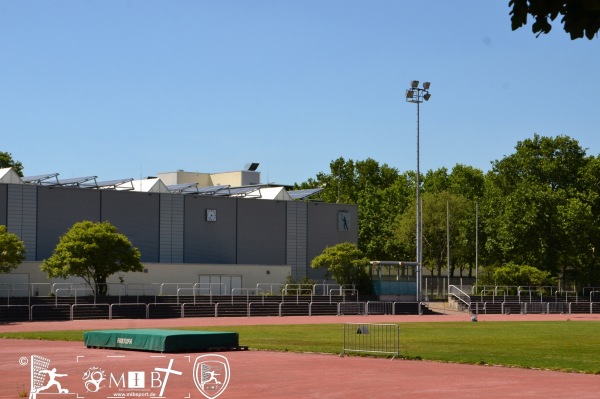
(225, 228)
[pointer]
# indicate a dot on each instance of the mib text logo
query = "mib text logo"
(209, 373)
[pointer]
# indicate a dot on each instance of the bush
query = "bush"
(513, 274)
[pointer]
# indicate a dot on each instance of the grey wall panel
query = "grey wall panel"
(171, 228)
(210, 242)
(21, 217)
(58, 210)
(261, 232)
(137, 216)
(3, 203)
(323, 230)
(296, 236)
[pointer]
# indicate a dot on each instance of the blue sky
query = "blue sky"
(131, 88)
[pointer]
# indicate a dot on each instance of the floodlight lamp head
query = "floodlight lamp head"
(410, 94)
(414, 84)
(427, 96)
(426, 85)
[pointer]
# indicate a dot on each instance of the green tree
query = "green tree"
(579, 17)
(590, 272)
(347, 179)
(436, 181)
(12, 250)
(92, 251)
(539, 207)
(7, 161)
(459, 191)
(435, 228)
(378, 190)
(469, 183)
(346, 264)
(513, 274)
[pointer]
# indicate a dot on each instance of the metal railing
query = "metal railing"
(379, 308)
(325, 289)
(272, 287)
(298, 289)
(566, 294)
(241, 293)
(39, 312)
(351, 308)
(459, 294)
(193, 288)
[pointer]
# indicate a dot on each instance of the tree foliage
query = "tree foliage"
(7, 161)
(539, 207)
(12, 250)
(346, 264)
(513, 274)
(579, 17)
(386, 209)
(437, 208)
(380, 193)
(92, 251)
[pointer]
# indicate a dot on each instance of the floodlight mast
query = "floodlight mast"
(416, 95)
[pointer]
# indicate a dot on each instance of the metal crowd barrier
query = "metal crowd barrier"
(372, 338)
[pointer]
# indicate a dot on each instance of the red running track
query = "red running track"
(262, 374)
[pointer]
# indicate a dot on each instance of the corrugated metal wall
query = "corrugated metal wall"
(261, 232)
(206, 241)
(22, 216)
(137, 215)
(324, 230)
(172, 228)
(58, 209)
(3, 203)
(297, 218)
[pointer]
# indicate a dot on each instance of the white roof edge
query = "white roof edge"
(8, 175)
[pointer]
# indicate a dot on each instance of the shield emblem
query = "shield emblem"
(211, 374)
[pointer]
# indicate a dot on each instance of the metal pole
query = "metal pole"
(448, 240)
(419, 247)
(417, 95)
(476, 244)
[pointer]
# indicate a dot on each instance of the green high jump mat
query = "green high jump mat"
(156, 340)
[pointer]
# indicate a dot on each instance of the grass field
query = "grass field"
(564, 346)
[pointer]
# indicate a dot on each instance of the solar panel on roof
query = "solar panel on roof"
(181, 187)
(244, 191)
(109, 183)
(211, 190)
(38, 179)
(114, 182)
(301, 194)
(75, 180)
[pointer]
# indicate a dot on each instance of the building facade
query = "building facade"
(206, 231)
